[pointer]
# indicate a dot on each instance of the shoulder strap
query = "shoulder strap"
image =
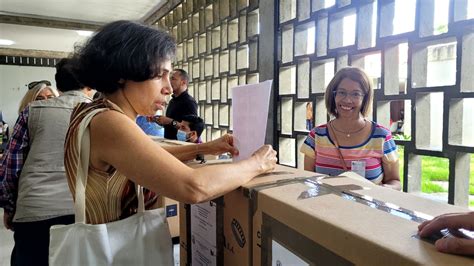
(83, 145)
(83, 142)
(337, 147)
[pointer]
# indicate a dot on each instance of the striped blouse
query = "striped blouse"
(377, 149)
(110, 196)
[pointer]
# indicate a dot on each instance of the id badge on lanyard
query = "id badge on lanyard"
(358, 167)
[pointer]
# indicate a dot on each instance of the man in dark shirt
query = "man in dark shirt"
(181, 104)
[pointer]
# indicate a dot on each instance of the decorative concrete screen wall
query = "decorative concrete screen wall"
(419, 55)
(420, 58)
(217, 45)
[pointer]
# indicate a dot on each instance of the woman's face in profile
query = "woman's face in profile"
(149, 96)
(44, 94)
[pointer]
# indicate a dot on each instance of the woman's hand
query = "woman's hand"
(391, 175)
(393, 184)
(163, 120)
(222, 145)
(266, 158)
(7, 220)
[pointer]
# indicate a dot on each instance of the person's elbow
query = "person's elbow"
(196, 191)
(308, 164)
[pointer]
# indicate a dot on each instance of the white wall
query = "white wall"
(13, 81)
(441, 73)
(468, 123)
(436, 116)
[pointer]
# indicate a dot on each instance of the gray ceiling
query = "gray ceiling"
(49, 25)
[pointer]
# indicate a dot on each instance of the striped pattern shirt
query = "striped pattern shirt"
(110, 196)
(378, 149)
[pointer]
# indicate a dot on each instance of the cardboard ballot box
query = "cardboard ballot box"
(294, 217)
(171, 207)
(169, 142)
(221, 232)
(342, 221)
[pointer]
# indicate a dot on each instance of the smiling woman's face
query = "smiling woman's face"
(349, 97)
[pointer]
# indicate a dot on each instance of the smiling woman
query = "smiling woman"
(351, 141)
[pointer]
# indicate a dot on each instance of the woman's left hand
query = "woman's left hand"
(7, 220)
(222, 145)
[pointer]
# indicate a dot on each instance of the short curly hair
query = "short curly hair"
(123, 50)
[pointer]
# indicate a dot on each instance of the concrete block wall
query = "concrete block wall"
(218, 43)
(419, 58)
(418, 54)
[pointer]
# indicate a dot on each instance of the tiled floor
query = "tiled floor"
(6, 245)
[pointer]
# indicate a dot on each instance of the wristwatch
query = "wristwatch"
(174, 123)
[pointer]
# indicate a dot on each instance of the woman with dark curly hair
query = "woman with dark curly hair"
(130, 64)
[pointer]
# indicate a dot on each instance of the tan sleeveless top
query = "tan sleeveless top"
(110, 196)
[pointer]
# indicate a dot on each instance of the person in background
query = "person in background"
(136, 82)
(458, 243)
(4, 135)
(37, 90)
(309, 116)
(190, 129)
(149, 126)
(180, 105)
(351, 141)
(34, 192)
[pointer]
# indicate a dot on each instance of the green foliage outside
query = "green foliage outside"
(436, 169)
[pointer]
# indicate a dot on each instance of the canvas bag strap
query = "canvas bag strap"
(336, 143)
(140, 197)
(83, 143)
(83, 139)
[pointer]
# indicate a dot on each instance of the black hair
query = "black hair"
(195, 123)
(184, 75)
(123, 50)
(66, 75)
(33, 84)
(97, 95)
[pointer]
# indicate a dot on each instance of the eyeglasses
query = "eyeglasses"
(33, 84)
(355, 96)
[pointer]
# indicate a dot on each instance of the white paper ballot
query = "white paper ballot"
(249, 115)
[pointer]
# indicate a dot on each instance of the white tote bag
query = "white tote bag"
(141, 239)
